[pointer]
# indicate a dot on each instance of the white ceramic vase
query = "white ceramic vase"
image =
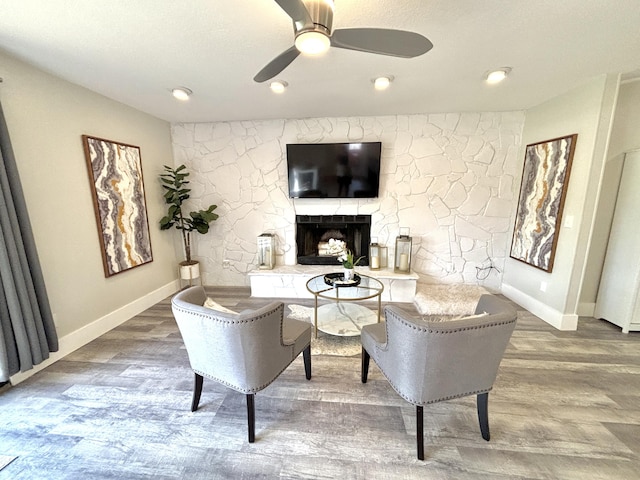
(348, 274)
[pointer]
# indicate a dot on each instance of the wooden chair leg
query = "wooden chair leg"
(197, 391)
(251, 416)
(483, 414)
(420, 432)
(307, 361)
(364, 372)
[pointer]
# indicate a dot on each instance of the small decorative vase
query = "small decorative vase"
(348, 274)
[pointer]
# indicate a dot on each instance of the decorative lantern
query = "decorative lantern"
(374, 254)
(384, 255)
(266, 251)
(403, 252)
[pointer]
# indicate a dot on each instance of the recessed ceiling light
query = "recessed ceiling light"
(278, 86)
(382, 83)
(181, 93)
(497, 76)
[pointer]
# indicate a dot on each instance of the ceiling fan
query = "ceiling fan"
(312, 21)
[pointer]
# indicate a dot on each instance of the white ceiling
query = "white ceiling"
(135, 51)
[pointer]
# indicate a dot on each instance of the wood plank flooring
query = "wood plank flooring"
(566, 405)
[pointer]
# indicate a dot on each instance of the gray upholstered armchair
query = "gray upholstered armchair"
(427, 362)
(245, 351)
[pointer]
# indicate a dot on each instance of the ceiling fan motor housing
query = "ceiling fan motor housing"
(321, 13)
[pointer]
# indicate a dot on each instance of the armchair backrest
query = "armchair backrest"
(427, 362)
(243, 351)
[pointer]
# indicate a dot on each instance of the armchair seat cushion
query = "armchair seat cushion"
(374, 335)
(297, 333)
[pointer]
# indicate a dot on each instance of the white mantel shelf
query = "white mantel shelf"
(289, 281)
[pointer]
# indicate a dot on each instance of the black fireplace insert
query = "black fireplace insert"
(314, 231)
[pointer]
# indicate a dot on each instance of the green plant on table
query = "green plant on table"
(347, 259)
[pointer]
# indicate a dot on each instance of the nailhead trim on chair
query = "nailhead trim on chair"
(460, 329)
(451, 397)
(233, 387)
(224, 319)
(232, 321)
(475, 327)
(262, 387)
(456, 396)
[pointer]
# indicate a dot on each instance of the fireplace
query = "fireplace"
(313, 231)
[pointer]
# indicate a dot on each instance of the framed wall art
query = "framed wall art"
(542, 193)
(115, 175)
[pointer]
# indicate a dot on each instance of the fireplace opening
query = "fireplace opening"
(314, 231)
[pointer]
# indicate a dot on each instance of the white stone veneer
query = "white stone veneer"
(451, 178)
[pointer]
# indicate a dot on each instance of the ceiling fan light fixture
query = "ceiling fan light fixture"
(496, 76)
(382, 83)
(278, 86)
(181, 93)
(312, 42)
(314, 34)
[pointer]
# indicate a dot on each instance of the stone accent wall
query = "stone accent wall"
(451, 178)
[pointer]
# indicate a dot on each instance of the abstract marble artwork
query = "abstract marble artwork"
(115, 174)
(544, 186)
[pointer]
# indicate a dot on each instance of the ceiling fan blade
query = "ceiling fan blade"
(278, 64)
(397, 43)
(297, 11)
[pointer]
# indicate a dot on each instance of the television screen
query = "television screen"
(334, 170)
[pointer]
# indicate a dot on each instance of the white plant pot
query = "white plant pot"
(348, 274)
(189, 270)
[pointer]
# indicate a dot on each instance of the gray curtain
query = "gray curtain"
(27, 332)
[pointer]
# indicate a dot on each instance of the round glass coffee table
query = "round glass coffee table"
(341, 316)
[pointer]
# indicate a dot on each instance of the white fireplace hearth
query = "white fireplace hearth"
(289, 281)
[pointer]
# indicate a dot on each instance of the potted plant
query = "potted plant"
(174, 183)
(345, 256)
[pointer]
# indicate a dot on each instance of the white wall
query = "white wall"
(450, 178)
(625, 137)
(46, 117)
(587, 110)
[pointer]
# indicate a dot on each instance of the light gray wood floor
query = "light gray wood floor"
(566, 405)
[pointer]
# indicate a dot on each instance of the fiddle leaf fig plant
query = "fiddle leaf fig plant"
(174, 183)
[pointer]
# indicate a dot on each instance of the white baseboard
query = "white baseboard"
(553, 317)
(90, 332)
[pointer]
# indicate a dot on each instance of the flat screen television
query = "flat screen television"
(334, 170)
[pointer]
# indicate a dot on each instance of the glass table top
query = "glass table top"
(367, 288)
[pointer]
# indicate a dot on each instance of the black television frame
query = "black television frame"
(334, 170)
